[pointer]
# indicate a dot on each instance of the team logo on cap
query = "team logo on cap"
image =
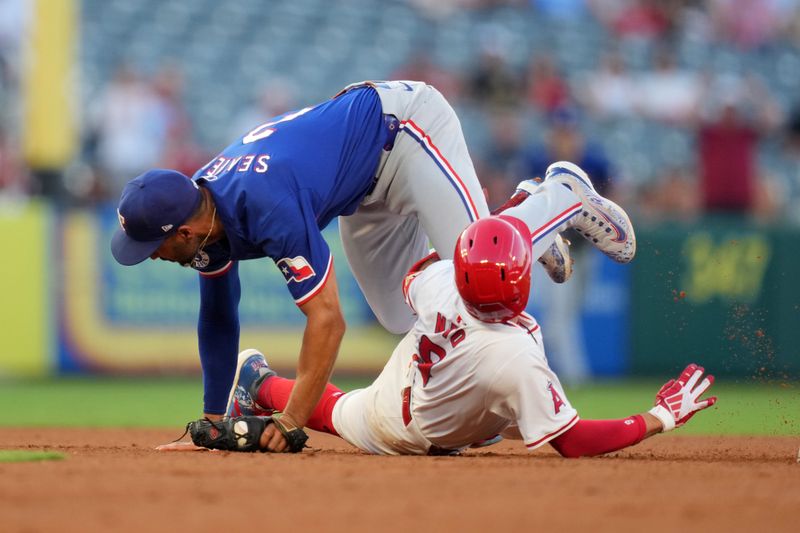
(121, 221)
(296, 269)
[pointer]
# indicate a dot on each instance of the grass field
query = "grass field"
(743, 409)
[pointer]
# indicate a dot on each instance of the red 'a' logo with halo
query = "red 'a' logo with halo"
(557, 401)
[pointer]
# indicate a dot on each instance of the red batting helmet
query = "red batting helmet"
(493, 268)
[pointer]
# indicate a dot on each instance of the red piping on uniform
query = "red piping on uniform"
(550, 222)
(218, 273)
(447, 164)
(554, 433)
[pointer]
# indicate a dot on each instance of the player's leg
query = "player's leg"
(273, 393)
(546, 210)
(258, 390)
(556, 260)
(372, 418)
(598, 220)
(430, 171)
(380, 248)
(602, 222)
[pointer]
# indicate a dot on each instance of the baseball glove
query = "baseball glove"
(241, 434)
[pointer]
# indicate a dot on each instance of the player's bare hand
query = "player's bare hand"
(180, 447)
(678, 400)
(273, 440)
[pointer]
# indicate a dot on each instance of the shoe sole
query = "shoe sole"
(604, 207)
(564, 264)
(243, 356)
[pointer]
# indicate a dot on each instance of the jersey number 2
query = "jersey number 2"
(265, 130)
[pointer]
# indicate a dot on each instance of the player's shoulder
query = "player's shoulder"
(506, 339)
(438, 270)
(434, 283)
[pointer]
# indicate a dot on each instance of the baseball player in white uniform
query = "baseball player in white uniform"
(472, 367)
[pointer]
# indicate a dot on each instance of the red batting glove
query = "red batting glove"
(677, 401)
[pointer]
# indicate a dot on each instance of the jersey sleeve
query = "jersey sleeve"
(413, 273)
(528, 393)
(295, 243)
(416, 295)
(213, 261)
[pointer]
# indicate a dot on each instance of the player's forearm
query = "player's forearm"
(218, 338)
(595, 437)
(321, 341)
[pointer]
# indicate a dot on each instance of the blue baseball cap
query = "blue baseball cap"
(151, 207)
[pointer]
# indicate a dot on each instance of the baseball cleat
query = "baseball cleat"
(252, 369)
(601, 222)
(557, 261)
(486, 442)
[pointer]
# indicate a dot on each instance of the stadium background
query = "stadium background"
(95, 92)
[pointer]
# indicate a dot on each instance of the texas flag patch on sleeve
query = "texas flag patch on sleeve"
(296, 269)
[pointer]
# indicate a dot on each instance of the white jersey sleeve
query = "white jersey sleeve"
(415, 280)
(526, 391)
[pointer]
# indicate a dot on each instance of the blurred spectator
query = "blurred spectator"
(504, 160)
(564, 141)
(668, 93)
(11, 171)
(792, 150)
(793, 132)
(561, 9)
(673, 195)
(751, 23)
(14, 18)
(180, 151)
(545, 88)
(609, 91)
(131, 125)
(420, 67)
(636, 19)
(493, 83)
(564, 303)
(439, 10)
(737, 114)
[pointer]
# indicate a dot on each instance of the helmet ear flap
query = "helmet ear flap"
(492, 263)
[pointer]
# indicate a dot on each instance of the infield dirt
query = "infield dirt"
(113, 480)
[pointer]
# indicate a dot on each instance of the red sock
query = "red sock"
(274, 394)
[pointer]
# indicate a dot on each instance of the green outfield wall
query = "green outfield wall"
(723, 292)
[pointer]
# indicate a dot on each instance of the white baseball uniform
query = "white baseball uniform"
(426, 189)
(453, 380)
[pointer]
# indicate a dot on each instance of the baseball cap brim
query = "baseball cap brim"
(129, 252)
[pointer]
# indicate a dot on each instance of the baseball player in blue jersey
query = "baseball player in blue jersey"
(389, 158)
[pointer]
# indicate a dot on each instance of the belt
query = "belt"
(392, 125)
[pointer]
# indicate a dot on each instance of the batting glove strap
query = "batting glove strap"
(665, 416)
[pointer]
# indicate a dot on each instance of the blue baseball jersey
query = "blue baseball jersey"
(276, 187)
